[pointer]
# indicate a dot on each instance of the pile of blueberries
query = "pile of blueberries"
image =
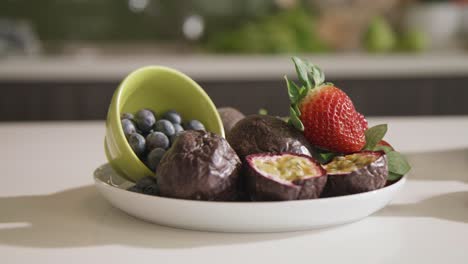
(147, 185)
(151, 138)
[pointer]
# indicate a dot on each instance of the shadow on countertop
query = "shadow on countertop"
(449, 165)
(450, 206)
(80, 217)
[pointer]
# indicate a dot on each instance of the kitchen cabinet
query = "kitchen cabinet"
(81, 88)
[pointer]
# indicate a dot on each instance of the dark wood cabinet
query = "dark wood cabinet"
(88, 100)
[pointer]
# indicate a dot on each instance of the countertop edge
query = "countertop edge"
(231, 68)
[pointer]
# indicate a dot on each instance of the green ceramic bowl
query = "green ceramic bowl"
(160, 89)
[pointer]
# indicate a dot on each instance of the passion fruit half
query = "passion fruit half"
(356, 173)
(284, 176)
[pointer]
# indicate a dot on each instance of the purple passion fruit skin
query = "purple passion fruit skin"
(356, 173)
(266, 134)
(199, 166)
(285, 176)
(230, 116)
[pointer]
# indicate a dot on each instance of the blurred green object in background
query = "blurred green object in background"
(247, 39)
(285, 32)
(304, 28)
(413, 41)
(380, 37)
(278, 36)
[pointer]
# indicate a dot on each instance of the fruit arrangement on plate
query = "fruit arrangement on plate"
(323, 149)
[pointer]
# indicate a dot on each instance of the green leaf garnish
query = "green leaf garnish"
(397, 163)
(326, 157)
(323, 156)
(374, 135)
(385, 149)
(393, 176)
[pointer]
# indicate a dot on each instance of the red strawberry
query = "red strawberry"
(325, 113)
(363, 121)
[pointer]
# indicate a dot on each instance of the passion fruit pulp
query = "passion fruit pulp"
(284, 176)
(356, 173)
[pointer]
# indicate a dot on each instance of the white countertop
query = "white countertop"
(238, 67)
(50, 211)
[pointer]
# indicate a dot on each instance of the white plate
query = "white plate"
(241, 216)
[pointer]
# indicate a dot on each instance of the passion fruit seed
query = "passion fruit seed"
(349, 163)
(286, 167)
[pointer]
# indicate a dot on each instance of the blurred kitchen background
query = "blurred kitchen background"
(62, 59)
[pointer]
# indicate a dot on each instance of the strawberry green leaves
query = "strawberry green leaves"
(325, 157)
(397, 163)
(315, 74)
(302, 72)
(374, 135)
(294, 119)
(296, 94)
(310, 76)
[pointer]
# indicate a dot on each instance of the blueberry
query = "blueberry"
(147, 133)
(154, 157)
(145, 120)
(127, 116)
(151, 189)
(134, 188)
(147, 185)
(194, 125)
(173, 117)
(165, 127)
(157, 140)
(145, 181)
(138, 144)
(128, 127)
(178, 128)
